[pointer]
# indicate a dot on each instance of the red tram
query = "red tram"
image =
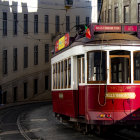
(96, 82)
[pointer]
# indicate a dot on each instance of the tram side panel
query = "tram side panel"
(107, 111)
(82, 100)
(65, 102)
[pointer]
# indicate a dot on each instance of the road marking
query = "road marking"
(38, 120)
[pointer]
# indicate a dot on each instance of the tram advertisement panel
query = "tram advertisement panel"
(62, 43)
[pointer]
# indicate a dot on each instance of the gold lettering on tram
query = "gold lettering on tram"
(120, 95)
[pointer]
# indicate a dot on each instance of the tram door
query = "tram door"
(120, 70)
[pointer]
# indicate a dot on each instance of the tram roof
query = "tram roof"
(115, 39)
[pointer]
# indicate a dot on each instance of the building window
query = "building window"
(14, 94)
(5, 62)
(25, 90)
(25, 57)
(87, 20)
(138, 12)
(68, 2)
(137, 66)
(77, 22)
(46, 24)
(15, 59)
(126, 14)
(46, 53)
(15, 22)
(35, 55)
(57, 24)
(25, 23)
(116, 15)
(35, 23)
(105, 16)
(4, 23)
(67, 23)
(96, 66)
(4, 97)
(109, 16)
(35, 86)
(46, 82)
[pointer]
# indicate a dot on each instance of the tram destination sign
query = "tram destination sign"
(107, 28)
(62, 43)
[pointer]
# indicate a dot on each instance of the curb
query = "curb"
(22, 103)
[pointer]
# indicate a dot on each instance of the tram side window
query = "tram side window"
(61, 74)
(69, 73)
(65, 73)
(96, 66)
(54, 82)
(81, 69)
(137, 66)
(58, 75)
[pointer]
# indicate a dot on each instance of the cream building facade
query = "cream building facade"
(120, 11)
(27, 37)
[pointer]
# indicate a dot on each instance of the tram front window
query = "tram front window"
(96, 66)
(120, 67)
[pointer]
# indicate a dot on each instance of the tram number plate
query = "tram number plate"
(120, 95)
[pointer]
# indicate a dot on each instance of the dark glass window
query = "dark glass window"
(35, 23)
(67, 23)
(96, 66)
(35, 86)
(4, 97)
(109, 16)
(138, 12)
(5, 64)
(15, 94)
(46, 24)
(116, 15)
(57, 24)
(126, 14)
(15, 59)
(35, 55)
(25, 57)
(15, 22)
(46, 53)
(87, 20)
(25, 23)
(4, 23)
(120, 66)
(25, 90)
(77, 22)
(46, 82)
(137, 66)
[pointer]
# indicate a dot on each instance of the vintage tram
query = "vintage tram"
(96, 82)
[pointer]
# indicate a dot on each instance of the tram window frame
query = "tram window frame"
(54, 76)
(120, 54)
(135, 67)
(105, 68)
(62, 74)
(81, 69)
(65, 73)
(69, 73)
(58, 75)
